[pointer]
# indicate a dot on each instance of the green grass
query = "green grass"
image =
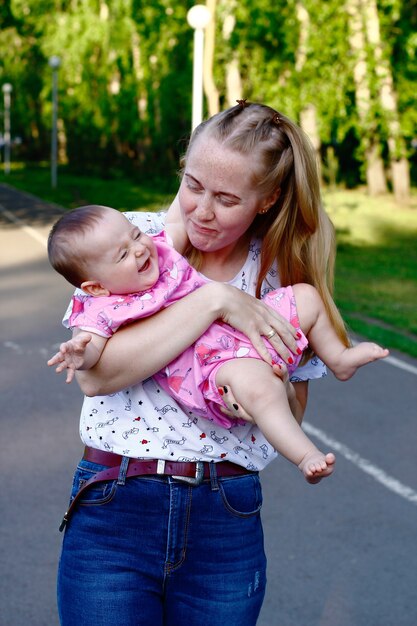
(73, 191)
(376, 268)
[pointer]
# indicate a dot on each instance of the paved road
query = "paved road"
(342, 553)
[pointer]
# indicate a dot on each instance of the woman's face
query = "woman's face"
(217, 198)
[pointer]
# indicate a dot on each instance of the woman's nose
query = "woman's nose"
(205, 207)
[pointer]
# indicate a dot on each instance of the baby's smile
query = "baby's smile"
(145, 266)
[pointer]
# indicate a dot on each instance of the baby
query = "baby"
(127, 275)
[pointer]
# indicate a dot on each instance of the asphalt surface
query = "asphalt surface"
(341, 553)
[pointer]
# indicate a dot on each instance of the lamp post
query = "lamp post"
(54, 63)
(198, 17)
(7, 90)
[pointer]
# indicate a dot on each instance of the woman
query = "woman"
(176, 538)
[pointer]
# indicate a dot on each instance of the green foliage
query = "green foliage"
(126, 70)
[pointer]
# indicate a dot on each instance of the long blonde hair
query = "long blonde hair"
(296, 231)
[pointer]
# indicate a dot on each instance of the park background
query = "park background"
(345, 71)
(342, 554)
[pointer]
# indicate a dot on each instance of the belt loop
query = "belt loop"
(213, 476)
(121, 479)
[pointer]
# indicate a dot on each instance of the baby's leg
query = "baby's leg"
(315, 323)
(263, 396)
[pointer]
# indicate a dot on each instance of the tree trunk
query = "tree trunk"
(233, 77)
(62, 142)
(400, 170)
(233, 82)
(141, 101)
(375, 175)
(210, 89)
(309, 124)
(308, 115)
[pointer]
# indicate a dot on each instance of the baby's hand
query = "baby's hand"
(71, 355)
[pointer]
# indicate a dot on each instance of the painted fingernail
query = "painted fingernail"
(290, 360)
(220, 390)
(235, 406)
(276, 363)
(298, 335)
(225, 389)
(299, 351)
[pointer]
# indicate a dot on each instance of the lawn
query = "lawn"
(376, 266)
(376, 269)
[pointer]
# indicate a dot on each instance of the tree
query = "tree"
(370, 134)
(210, 88)
(126, 73)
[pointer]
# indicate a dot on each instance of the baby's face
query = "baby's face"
(122, 258)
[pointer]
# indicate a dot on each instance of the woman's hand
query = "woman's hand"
(256, 320)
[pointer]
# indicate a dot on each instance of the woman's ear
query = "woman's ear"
(270, 201)
(93, 288)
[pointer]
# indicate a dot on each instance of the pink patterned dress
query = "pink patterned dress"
(190, 378)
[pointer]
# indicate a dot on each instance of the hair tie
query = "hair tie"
(242, 103)
(276, 119)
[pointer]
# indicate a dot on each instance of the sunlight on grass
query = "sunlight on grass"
(360, 219)
(376, 266)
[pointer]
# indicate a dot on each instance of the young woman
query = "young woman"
(176, 537)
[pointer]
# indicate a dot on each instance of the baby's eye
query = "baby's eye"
(137, 235)
(123, 255)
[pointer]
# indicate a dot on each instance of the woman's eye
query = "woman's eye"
(193, 187)
(227, 201)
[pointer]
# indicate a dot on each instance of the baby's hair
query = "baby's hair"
(66, 234)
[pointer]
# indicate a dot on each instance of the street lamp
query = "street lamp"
(54, 63)
(7, 90)
(198, 17)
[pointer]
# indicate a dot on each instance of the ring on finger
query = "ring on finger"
(271, 333)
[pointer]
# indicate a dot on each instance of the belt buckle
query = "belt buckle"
(197, 479)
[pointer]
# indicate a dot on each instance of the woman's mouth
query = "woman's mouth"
(204, 230)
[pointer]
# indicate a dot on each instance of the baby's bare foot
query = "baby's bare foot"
(316, 465)
(357, 356)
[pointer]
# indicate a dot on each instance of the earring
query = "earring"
(264, 211)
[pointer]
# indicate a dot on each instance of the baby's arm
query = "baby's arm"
(81, 352)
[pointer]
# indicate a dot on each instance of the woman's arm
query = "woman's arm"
(140, 349)
(175, 228)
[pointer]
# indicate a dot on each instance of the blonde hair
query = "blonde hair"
(296, 231)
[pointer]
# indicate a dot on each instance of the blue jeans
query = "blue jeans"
(153, 551)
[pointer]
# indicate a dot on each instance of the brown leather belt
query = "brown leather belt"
(191, 473)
